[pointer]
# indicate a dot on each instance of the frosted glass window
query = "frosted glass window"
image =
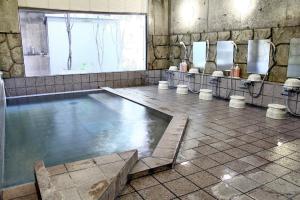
(72, 43)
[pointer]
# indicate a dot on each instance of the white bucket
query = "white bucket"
(182, 89)
(237, 102)
(205, 94)
(276, 111)
(163, 85)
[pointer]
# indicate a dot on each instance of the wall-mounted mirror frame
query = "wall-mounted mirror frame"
(258, 59)
(225, 55)
(199, 54)
(293, 70)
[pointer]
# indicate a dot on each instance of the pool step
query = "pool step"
(102, 177)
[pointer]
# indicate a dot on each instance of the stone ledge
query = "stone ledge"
(102, 177)
(165, 153)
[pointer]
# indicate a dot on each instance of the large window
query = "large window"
(71, 43)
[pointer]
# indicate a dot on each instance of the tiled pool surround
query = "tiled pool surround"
(225, 153)
(64, 83)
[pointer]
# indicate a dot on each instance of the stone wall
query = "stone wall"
(196, 20)
(11, 55)
(279, 36)
(158, 34)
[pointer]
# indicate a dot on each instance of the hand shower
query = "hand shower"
(185, 49)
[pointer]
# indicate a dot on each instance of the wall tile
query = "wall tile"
(68, 79)
(82, 5)
(59, 4)
(41, 89)
(99, 5)
(85, 78)
(49, 80)
(101, 77)
(77, 86)
(50, 88)
(20, 82)
(59, 88)
(10, 83)
(37, 4)
(58, 80)
(76, 78)
(93, 77)
(40, 81)
(21, 91)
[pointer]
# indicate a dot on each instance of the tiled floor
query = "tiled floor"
(226, 153)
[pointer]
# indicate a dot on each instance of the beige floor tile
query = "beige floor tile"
(222, 172)
(156, 192)
(260, 176)
(181, 186)
(264, 193)
(283, 187)
(242, 183)
(198, 195)
(250, 148)
(189, 154)
(254, 160)
(127, 189)
(288, 163)
(281, 150)
(222, 191)
(235, 142)
(242, 197)
(295, 156)
(221, 157)
(187, 168)
(293, 177)
(203, 179)
(166, 176)
(221, 146)
(269, 155)
(131, 196)
(237, 153)
(205, 162)
(275, 169)
(206, 150)
(144, 182)
(239, 166)
(62, 181)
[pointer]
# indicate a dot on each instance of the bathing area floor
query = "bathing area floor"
(226, 153)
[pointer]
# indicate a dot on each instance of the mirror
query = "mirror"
(294, 59)
(258, 56)
(199, 54)
(225, 53)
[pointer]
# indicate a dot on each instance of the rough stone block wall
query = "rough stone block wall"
(11, 55)
(279, 36)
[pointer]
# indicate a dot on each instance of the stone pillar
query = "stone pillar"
(11, 54)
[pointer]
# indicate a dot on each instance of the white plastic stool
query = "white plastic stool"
(276, 111)
(182, 89)
(237, 102)
(163, 85)
(205, 94)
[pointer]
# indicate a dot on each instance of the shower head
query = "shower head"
(235, 46)
(273, 46)
(182, 44)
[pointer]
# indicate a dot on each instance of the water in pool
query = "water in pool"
(65, 128)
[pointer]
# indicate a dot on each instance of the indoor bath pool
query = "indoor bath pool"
(62, 128)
